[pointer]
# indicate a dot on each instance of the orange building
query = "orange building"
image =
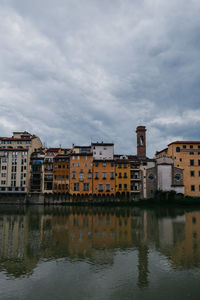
(81, 173)
(104, 177)
(61, 173)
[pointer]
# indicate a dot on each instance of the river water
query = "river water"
(99, 253)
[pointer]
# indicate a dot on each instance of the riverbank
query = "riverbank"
(161, 198)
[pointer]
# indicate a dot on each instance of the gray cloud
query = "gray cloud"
(73, 72)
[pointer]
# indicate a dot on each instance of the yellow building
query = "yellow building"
(186, 155)
(122, 176)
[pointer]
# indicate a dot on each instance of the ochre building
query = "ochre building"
(104, 177)
(186, 155)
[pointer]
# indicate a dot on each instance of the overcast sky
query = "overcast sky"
(73, 71)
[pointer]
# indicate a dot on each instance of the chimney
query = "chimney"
(141, 141)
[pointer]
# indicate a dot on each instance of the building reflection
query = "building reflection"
(31, 234)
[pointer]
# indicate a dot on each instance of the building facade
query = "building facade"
(104, 177)
(122, 176)
(81, 169)
(15, 153)
(186, 155)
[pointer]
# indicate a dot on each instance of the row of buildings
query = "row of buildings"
(26, 166)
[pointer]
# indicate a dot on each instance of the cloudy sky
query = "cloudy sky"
(73, 71)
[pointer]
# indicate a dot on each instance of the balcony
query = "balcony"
(136, 178)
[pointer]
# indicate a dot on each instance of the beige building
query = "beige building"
(15, 154)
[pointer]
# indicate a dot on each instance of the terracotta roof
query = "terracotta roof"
(157, 152)
(81, 146)
(185, 142)
(14, 149)
(102, 144)
(81, 154)
(15, 139)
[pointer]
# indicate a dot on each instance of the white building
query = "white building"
(102, 151)
(15, 154)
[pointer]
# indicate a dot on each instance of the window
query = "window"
(100, 152)
(89, 175)
(178, 149)
(104, 175)
(192, 188)
(3, 174)
(192, 173)
(120, 186)
(151, 176)
(199, 173)
(108, 187)
(191, 162)
(100, 187)
(81, 176)
(177, 176)
(199, 188)
(125, 166)
(86, 187)
(119, 166)
(191, 146)
(73, 157)
(120, 175)
(125, 175)
(112, 164)
(85, 157)
(96, 175)
(13, 176)
(78, 165)
(111, 175)
(96, 164)
(104, 164)
(184, 146)
(4, 167)
(78, 157)
(191, 153)
(180, 159)
(73, 175)
(85, 164)
(73, 164)
(198, 162)
(194, 220)
(76, 186)
(3, 182)
(125, 186)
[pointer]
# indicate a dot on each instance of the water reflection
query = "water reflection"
(31, 234)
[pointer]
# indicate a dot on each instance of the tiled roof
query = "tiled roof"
(185, 142)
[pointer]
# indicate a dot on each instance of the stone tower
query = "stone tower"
(141, 141)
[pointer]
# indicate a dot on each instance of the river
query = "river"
(103, 253)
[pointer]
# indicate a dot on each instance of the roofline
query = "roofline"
(184, 142)
(158, 152)
(102, 144)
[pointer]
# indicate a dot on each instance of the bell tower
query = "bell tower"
(141, 141)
